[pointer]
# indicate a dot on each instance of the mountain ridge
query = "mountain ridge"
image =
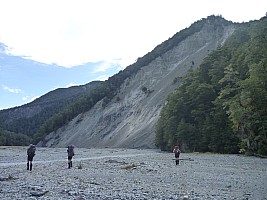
(129, 119)
(42, 108)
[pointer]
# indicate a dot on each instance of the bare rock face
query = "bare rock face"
(129, 120)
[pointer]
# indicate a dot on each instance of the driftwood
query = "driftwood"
(260, 156)
(9, 178)
(190, 159)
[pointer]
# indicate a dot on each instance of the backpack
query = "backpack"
(177, 151)
(70, 150)
(31, 151)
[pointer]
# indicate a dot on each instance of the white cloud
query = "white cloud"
(33, 98)
(71, 84)
(12, 90)
(105, 65)
(70, 33)
(25, 98)
(28, 99)
(102, 78)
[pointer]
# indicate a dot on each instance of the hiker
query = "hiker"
(70, 151)
(31, 154)
(176, 152)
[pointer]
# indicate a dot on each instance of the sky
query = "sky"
(71, 33)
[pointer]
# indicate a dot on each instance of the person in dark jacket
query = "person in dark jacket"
(31, 154)
(70, 151)
(176, 151)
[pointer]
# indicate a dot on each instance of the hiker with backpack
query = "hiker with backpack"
(70, 151)
(31, 154)
(176, 152)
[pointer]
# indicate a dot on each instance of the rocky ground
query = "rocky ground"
(130, 174)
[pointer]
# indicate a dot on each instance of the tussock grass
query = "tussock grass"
(128, 167)
(80, 165)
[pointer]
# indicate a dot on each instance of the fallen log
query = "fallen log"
(190, 159)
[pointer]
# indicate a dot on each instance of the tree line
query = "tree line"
(8, 138)
(222, 106)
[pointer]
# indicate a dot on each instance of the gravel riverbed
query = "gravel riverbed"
(130, 174)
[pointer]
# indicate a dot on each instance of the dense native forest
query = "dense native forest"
(11, 138)
(222, 106)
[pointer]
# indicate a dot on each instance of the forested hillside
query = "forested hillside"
(11, 138)
(19, 124)
(222, 106)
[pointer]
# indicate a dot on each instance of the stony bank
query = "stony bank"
(130, 174)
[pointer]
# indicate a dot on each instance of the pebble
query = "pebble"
(130, 174)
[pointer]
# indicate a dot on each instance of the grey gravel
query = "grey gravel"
(130, 174)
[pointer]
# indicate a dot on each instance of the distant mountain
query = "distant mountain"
(27, 119)
(22, 79)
